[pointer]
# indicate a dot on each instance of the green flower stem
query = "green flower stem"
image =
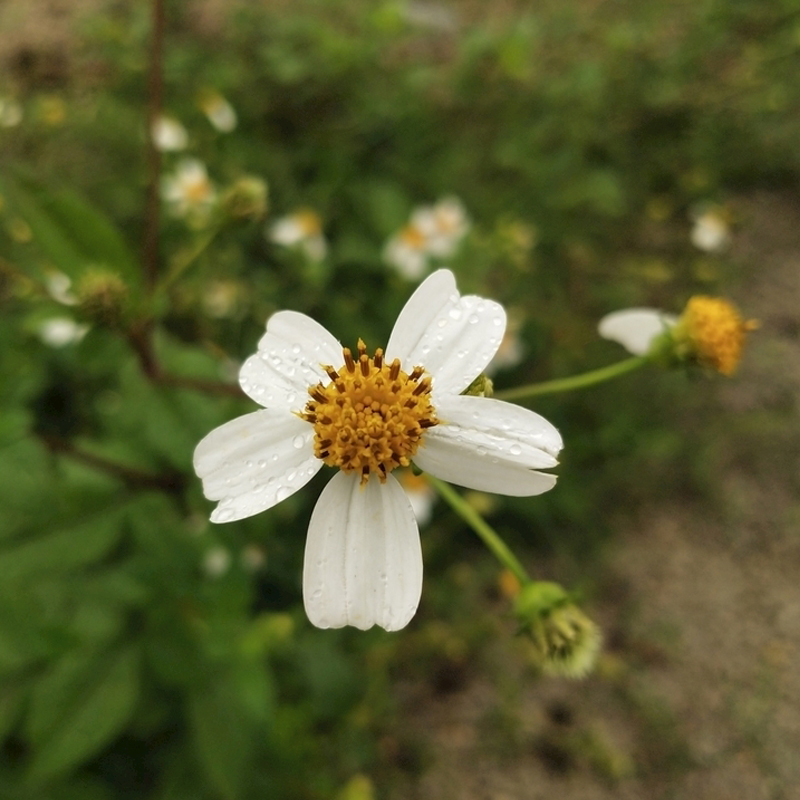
(183, 260)
(574, 381)
(487, 534)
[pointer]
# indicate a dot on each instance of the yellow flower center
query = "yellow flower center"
(715, 332)
(412, 237)
(308, 221)
(371, 416)
(197, 191)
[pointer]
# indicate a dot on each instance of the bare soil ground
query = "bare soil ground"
(698, 693)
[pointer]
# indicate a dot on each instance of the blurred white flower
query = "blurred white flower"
(252, 558)
(189, 191)
(434, 16)
(432, 232)
(61, 331)
(443, 225)
(220, 113)
(221, 299)
(302, 229)
(10, 113)
(420, 494)
(407, 252)
(710, 232)
(216, 561)
(511, 350)
(636, 328)
(58, 287)
(169, 135)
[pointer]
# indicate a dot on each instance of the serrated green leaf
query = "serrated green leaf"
(79, 708)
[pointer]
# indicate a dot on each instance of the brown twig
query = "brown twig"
(173, 483)
(156, 92)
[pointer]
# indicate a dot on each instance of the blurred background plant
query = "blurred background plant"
(588, 157)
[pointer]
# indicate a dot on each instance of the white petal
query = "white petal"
(635, 328)
(288, 361)
(253, 462)
(363, 561)
(453, 337)
(491, 446)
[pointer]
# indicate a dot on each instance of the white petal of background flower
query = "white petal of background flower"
(253, 462)
(288, 361)
(635, 328)
(491, 446)
(453, 337)
(363, 561)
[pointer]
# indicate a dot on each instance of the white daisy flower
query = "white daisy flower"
(710, 232)
(220, 113)
(367, 415)
(512, 349)
(169, 135)
(302, 229)
(61, 331)
(636, 328)
(189, 191)
(443, 226)
(407, 252)
(10, 113)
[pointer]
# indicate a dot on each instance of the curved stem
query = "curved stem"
(488, 535)
(574, 381)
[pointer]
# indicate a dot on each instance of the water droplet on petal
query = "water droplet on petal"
(474, 319)
(515, 450)
(299, 441)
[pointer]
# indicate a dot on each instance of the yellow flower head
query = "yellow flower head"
(712, 330)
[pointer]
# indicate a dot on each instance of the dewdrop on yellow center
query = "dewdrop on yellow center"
(371, 417)
(715, 331)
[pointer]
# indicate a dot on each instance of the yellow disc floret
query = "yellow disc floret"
(371, 417)
(713, 331)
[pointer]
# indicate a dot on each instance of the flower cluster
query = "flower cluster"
(432, 232)
(368, 415)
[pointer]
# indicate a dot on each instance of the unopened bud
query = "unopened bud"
(482, 386)
(102, 297)
(246, 198)
(566, 642)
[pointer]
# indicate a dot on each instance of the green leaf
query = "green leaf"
(79, 707)
(62, 550)
(223, 736)
(71, 232)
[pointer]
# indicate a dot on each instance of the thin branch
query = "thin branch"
(173, 483)
(156, 93)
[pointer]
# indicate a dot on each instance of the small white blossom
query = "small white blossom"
(363, 560)
(169, 135)
(420, 494)
(61, 331)
(511, 350)
(407, 252)
(710, 231)
(220, 113)
(10, 113)
(217, 561)
(636, 328)
(189, 191)
(59, 288)
(432, 232)
(302, 230)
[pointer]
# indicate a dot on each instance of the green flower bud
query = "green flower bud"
(482, 386)
(246, 198)
(103, 297)
(566, 642)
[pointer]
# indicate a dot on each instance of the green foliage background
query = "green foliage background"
(577, 135)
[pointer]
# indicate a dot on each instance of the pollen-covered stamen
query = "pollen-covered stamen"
(712, 330)
(371, 417)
